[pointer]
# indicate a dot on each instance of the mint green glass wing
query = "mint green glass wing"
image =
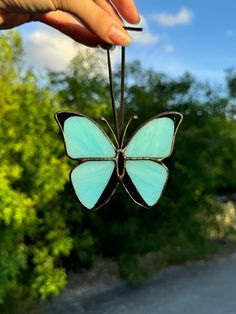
(155, 138)
(92, 182)
(145, 181)
(83, 138)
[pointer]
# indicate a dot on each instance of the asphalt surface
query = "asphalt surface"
(200, 288)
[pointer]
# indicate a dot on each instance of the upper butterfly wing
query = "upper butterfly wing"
(83, 138)
(155, 138)
(94, 182)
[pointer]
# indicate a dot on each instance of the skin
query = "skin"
(90, 22)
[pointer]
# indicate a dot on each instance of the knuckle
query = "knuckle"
(55, 4)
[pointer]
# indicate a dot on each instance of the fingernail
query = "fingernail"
(118, 36)
(138, 19)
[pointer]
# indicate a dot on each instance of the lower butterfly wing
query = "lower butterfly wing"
(145, 180)
(155, 138)
(94, 182)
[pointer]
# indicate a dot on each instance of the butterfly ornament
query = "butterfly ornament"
(102, 164)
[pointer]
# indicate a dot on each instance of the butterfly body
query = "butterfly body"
(120, 164)
(103, 165)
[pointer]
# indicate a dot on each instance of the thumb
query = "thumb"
(96, 20)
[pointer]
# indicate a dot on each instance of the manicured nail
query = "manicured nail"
(138, 19)
(119, 36)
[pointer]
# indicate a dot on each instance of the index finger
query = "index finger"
(128, 10)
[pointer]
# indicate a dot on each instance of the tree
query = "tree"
(33, 232)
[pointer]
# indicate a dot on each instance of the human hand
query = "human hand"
(90, 22)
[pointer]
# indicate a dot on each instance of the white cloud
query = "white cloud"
(146, 37)
(48, 48)
(169, 48)
(183, 17)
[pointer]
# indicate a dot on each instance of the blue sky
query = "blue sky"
(195, 36)
(204, 44)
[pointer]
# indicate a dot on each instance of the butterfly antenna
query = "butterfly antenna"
(126, 128)
(110, 128)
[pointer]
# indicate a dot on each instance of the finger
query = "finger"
(109, 8)
(128, 10)
(68, 25)
(96, 20)
(11, 20)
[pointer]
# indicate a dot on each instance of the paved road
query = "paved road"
(202, 288)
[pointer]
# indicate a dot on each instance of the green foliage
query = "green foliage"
(45, 233)
(30, 220)
(131, 269)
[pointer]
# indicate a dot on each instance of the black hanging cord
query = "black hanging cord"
(122, 93)
(136, 29)
(119, 125)
(122, 85)
(117, 132)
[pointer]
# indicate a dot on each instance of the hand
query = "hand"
(90, 22)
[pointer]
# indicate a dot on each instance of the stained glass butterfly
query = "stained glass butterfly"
(102, 165)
